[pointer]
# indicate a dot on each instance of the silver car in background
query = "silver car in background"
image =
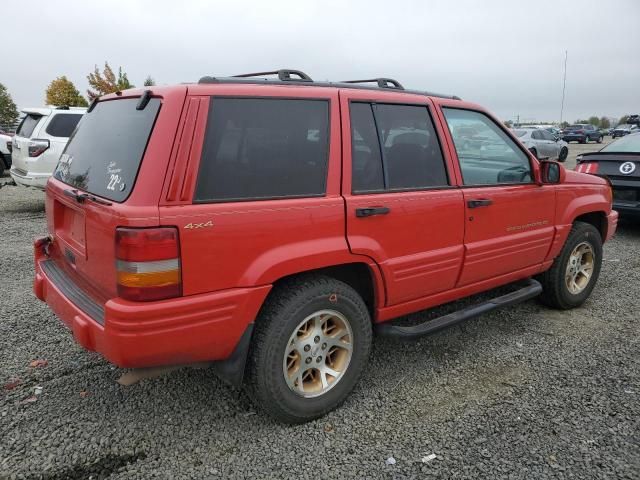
(542, 143)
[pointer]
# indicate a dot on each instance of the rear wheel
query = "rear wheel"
(600, 139)
(574, 273)
(310, 347)
(585, 139)
(564, 153)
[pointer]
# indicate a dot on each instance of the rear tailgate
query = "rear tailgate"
(110, 175)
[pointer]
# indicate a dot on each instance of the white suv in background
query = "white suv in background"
(39, 142)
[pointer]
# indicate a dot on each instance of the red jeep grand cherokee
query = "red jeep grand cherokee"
(268, 226)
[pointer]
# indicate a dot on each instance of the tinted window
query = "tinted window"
(410, 148)
(366, 163)
(264, 148)
(404, 135)
(536, 135)
(63, 124)
(28, 124)
(104, 153)
(488, 156)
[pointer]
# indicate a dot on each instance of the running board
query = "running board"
(530, 289)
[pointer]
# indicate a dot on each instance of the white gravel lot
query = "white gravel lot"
(525, 392)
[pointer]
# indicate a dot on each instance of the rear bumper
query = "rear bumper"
(184, 330)
(27, 179)
(574, 138)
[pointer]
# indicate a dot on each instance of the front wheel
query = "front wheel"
(600, 139)
(564, 153)
(310, 347)
(574, 273)
(585, 139)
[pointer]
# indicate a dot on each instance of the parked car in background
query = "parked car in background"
(159, 187)
(39, 141)
(581, 132)
(625, 129)
(620, 162)
(542, 143)
(5, 152)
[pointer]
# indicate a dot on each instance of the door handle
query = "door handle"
(370, 211)
(484, 202)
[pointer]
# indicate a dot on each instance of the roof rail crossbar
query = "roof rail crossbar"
(283, 75)
(382, 82)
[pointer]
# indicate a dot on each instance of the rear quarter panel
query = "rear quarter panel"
(255, 242)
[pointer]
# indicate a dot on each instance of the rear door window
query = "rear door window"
(260, 148)
(28, 125)
(63, 124)
(104, 154)
(394, 148)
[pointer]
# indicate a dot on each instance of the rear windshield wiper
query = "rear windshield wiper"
(81, 197)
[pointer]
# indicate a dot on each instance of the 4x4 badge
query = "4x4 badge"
(627, 168)
(199, 225)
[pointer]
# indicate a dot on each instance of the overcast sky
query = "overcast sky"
(505, 55)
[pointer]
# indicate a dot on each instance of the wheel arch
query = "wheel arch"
(596, 218)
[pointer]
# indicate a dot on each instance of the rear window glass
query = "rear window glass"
(104, 153)
(28, 125)
(63, 124)
(259, 148)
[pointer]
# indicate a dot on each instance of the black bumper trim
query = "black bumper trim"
(74, 293)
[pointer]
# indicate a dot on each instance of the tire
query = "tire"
(312, 299)
(585, 139)
(599, 139)
(534, 151)
(556, 292)
(564, 153)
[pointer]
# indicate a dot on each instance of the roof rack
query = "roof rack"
(287, 77)
(284, 74)
(382, 82)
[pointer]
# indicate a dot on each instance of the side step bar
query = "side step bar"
(530, 289)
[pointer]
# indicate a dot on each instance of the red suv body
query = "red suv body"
(177, 214)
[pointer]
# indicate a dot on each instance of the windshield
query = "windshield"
(630, 143)
(104, 153)
(520, 133)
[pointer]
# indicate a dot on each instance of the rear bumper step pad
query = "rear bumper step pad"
(74, 293)
(530, 289)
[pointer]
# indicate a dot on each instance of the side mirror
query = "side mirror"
(551, 172)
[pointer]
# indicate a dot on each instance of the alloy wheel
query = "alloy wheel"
(579, 268)
(318, 353)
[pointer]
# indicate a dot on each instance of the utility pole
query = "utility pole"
(564, 84)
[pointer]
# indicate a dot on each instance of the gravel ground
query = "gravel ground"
(521, 393)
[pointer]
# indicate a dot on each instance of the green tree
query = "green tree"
(8, 110)
(604, 122)
(594, 121)
(623, 120)
(149, 81)
(61, 92)
(106, 82)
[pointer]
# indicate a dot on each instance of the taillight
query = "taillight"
(148, 263)
(587, 167)
(37, 147)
